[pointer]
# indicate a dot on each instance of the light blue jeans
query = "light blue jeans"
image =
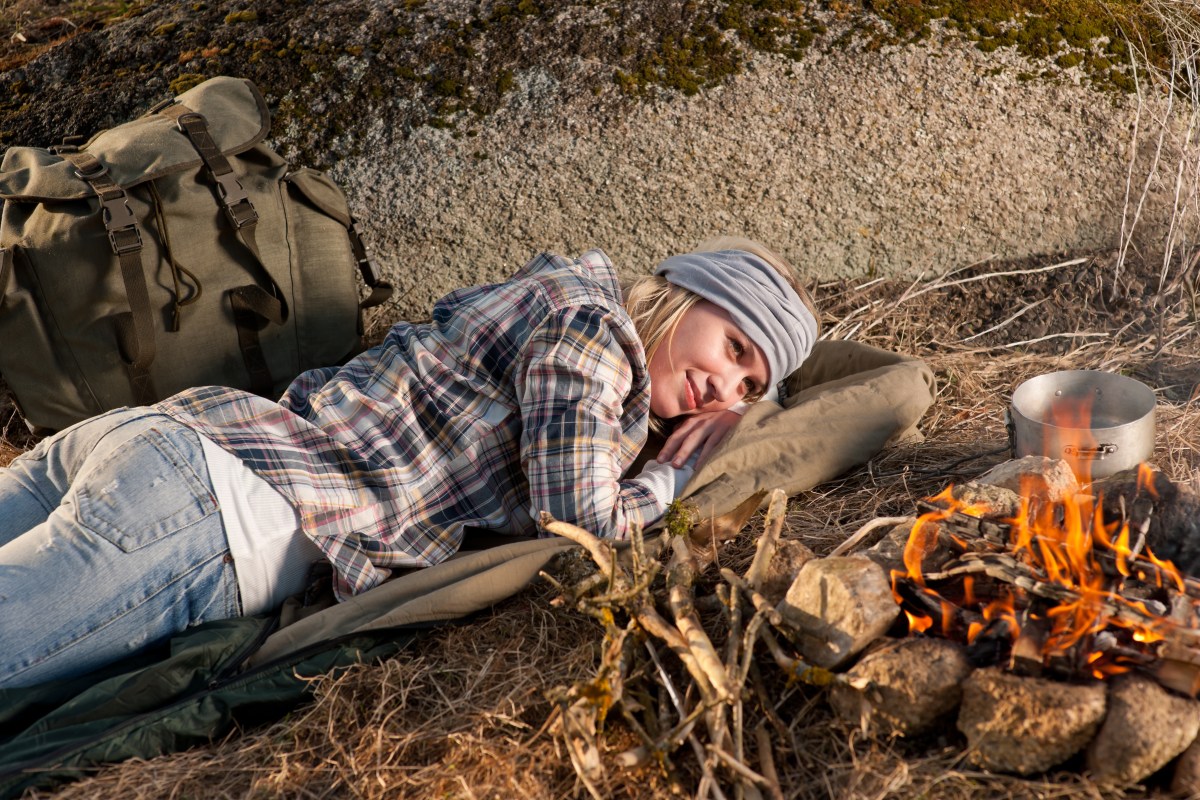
(110, 540)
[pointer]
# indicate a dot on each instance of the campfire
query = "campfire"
(1050, 617)
(1056, 588)
(1057, 612)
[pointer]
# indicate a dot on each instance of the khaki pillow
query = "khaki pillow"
(841, 407)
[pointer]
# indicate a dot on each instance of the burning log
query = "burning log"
(1168, 513)
(1057, 583)
(1100, 599)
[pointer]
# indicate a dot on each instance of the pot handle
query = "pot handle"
(1096, 453)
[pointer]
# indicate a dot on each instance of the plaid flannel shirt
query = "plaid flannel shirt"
(526, 396)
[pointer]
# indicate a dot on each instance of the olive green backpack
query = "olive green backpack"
(172, 251)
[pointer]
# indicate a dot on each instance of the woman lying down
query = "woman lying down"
(536, 394)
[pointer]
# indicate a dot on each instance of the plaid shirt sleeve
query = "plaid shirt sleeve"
(573, 381)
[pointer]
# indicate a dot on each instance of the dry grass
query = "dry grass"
(464, 712)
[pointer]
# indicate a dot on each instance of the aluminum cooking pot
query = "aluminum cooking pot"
(1099, 422)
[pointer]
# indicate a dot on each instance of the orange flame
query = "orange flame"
(918, 624)
(1066, 544)
(1145, 480)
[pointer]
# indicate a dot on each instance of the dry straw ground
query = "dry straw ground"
(465, 711)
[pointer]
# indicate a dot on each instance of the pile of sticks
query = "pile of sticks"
(660, 668)
(1150, 597)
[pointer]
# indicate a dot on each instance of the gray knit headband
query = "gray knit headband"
(762, 304)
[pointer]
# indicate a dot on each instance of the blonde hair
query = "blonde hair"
(656, 306)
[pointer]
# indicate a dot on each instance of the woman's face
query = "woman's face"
(708, 364)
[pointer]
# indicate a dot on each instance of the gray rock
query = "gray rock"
(838, 606)
(1146, 727)
(888, 552)
(903, 688)
(994, 501)
(1049, 479)
(1185, 782)
(1027, 725)
(790, 557)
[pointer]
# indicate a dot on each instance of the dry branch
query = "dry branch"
(772, 527)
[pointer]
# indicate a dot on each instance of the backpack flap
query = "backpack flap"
(144, 149)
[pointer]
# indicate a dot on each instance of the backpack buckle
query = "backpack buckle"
(235, 201)
(121, 224)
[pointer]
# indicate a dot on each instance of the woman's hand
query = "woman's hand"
(698, 433)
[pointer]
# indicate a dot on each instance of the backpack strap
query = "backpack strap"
(380, 290)
(230, 192)
(6, 267)
(135, 329)
(253, 307)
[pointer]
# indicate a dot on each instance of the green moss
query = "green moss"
(166, 29)
(505, 81)
(680, 518)
(1122, 82)
(464, 65)
(1081, 33)
(235, 17)
(448, 87)
(184, 81)
(1059, 32)
(1068, 60)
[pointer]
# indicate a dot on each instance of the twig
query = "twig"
(766, 760)
(732, 601)
(767, 543)
(797, 669)
(655, 625)
(737, 766)
(748, 642)
(1090, 335)
(862, 532)
(1007, 273)
(677, 701)
(761, 603)
(681, 577)
(599, 550)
